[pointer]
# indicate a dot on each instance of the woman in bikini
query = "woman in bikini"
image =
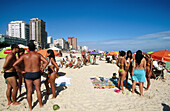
(138, 71)
(129, 65)
(149, 65)
(21, 65)
(121, 63)
(52, 73)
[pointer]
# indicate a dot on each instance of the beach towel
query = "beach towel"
(62, 80)
(102, 83)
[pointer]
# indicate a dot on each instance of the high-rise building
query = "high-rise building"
(79, 48)
(72, 42)
(18, 29)
(37, 32)
(59, 43)
(49, 40)
(66, 45)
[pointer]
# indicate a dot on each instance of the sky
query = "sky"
(110, 25)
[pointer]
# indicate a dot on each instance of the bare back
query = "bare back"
(142, 64)
(9, 61)
(121, 62)
(32, 62)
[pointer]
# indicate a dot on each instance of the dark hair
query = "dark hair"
(51, 52)
(21, 50)
(14, 46)
(31, 46)
(138, 57)
(129, 52)
(122, 53)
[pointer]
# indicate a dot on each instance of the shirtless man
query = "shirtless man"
(10, 75)
(149, 66)
(32, 62)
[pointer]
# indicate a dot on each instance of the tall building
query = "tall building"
(59, 43)
(72, 42)
(79, 48)
(18, 29)
(37, 32)
(66, 45)
(49, 40)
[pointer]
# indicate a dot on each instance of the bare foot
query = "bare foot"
(53, 98)
(146, 89)
(30, 109)
(41, 106)
(16, 103)
(9, 102)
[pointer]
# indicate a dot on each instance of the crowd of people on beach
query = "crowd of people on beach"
(30, 66)
(140, 67)
(78, 62)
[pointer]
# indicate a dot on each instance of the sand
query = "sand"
(81, 95)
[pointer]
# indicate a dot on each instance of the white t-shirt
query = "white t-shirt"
(155, 64)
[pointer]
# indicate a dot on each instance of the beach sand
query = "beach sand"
(81, 95)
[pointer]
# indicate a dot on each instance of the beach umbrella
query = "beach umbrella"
(94, 53)
(105, 53)
(150, 52)
(112, 54)
(162, 55)
(44, 52)
(116, 52)
(101, 52)
(7, 50)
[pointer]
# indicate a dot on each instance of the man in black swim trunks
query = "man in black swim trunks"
(10, 75)
(32, 62)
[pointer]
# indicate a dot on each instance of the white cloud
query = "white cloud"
(147, 42)
(166, 38)
(155, 35)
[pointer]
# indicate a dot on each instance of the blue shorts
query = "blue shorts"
(139, 75)
(32, 75)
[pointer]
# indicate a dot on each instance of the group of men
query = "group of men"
(32, 73)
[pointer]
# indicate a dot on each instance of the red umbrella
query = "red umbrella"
(163, 55)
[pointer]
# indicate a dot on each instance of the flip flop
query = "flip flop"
(127, 93)
(117, 91)
(123, 92)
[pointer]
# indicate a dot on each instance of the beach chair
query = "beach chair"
(157, 72)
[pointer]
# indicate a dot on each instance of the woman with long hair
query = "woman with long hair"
(121, 63)
(21, 65)
(139, 71)
(129, 65)
(149, 66)
(52, 72)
